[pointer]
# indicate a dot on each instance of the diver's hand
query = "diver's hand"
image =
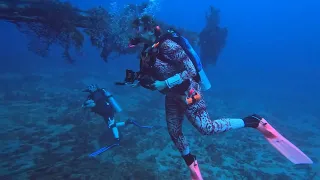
(135, 85)
(89, 104)
(159, 85)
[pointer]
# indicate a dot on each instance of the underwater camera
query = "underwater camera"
(145, 81)
(131, 76)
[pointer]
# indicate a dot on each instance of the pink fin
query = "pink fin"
(285, 147)
(195, 171)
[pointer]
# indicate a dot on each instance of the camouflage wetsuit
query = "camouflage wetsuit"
(176, 108)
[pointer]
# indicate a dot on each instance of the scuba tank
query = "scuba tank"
(186, 46)
(204, 81)
(113, 102)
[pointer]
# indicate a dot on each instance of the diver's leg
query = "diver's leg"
(174, 117)
(119, 124)
(197, 114)
(113, 127)
(199, 117)
(129, 121)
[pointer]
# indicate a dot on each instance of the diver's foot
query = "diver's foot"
(117, 141)
(258, 122)
(252, 121)
(193, 166)
(129, 121)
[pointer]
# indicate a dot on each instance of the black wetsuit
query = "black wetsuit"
(103, 107)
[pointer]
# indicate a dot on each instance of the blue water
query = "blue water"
(270, 66)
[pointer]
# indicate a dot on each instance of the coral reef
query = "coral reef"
(46, 23)
(55, 22)
(46, 135)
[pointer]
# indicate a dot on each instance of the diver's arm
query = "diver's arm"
(89, 103)
(134, 85)
(175, 52)
(138, 75)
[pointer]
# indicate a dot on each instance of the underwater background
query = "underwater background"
(270, 66)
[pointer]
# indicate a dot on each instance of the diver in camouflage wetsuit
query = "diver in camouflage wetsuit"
(168, 66)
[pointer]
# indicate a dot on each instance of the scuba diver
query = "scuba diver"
(102, 102)
(169, 64)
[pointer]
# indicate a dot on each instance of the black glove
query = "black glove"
(131, 76)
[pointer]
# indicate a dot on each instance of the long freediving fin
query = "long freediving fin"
(104, 149)
(140, 126)
(285, 147)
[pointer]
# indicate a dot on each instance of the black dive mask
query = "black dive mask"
(134, 41)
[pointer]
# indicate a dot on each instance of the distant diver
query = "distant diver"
(102, 103)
